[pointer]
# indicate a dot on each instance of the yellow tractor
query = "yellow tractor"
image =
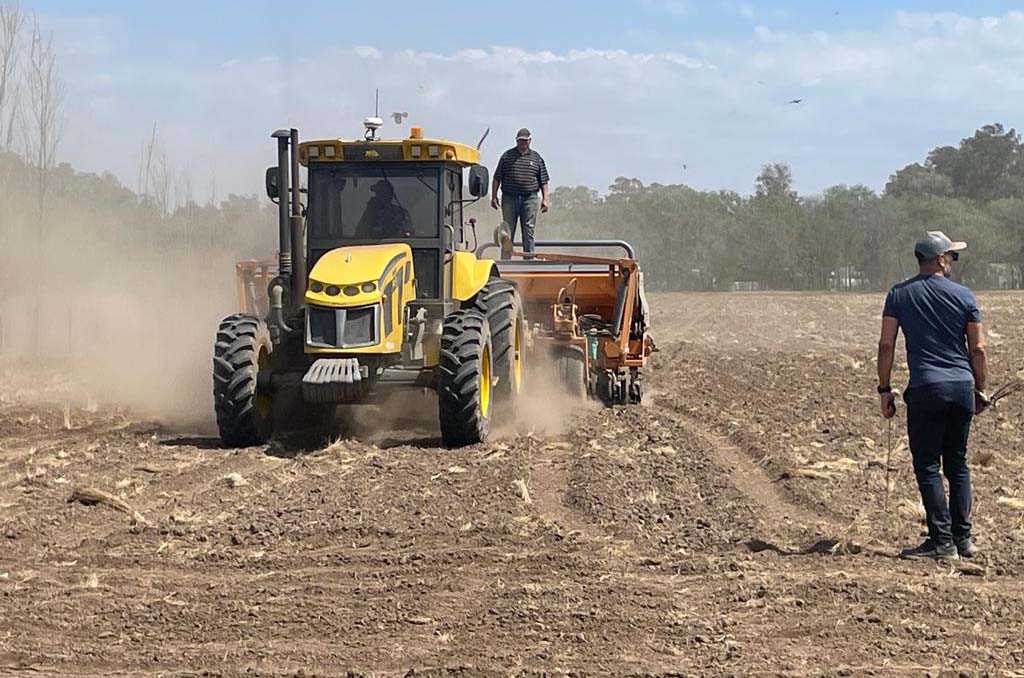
(396, 297)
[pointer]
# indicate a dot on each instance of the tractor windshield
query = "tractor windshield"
(376, 202)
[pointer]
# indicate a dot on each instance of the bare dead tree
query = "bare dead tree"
(146, 165)
(184, 191)
(161, 181)
(12, 21)
(46, 92)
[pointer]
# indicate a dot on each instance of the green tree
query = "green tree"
(917, 179)
(987, 166)
(775, 180)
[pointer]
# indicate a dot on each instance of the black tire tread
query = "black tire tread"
(464, 334)
(499, 300)
(236, 351)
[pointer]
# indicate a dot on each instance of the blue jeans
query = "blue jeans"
(938, 422)
(521, 207)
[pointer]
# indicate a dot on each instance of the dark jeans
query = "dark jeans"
(521, 207)
(938, 422)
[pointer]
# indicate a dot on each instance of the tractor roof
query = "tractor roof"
(413, 148)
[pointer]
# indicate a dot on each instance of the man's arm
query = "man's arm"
(543, 179)
(494, 192)
(886, 357)
(497, 182)
(979, 361)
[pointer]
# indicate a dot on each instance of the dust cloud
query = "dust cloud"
(545, 408)
(124, 314)
(410, 417)
(119, 306)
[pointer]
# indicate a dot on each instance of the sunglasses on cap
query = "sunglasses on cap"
(955, 256)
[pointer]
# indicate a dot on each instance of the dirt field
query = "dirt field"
(737, 524)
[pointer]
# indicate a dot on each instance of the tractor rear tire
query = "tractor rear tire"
(241, 351)
(499, 300)
(572, 374)
(464, 393)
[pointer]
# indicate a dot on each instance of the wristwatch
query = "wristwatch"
(884, 389)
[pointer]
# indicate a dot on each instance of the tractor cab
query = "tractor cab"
(375, 191)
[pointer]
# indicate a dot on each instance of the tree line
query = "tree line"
(846, 238)
(849, 237)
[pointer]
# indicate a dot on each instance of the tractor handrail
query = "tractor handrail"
(625, 246)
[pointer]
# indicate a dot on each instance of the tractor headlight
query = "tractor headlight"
(316, 286)
(333, 290)
(368, 286)
(351, 290)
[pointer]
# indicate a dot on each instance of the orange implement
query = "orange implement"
(589, 313)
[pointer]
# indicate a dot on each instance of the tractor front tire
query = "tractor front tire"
(465, 378)
(241, 351)
(499, 300)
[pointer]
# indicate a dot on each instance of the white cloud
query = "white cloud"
(873, 101)
(368, 52)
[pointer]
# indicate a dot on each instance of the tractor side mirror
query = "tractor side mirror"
(273, 191)
(503, 238)
(478, 181)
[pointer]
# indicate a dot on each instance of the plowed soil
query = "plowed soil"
(736, 524)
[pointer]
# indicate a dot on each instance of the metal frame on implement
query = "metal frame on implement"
(590, 314)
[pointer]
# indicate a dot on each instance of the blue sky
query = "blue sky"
(637, 87)
(232, 30)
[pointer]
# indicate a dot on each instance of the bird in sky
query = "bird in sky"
(399, 117)
(795, 101)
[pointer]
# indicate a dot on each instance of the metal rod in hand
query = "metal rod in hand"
(888, 461)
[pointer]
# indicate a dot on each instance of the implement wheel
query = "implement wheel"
(241, 352)
(572, 374)
(464, 392)
(636, 387)
(499, 300)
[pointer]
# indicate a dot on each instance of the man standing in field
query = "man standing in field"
(520, 174)
(946, 353)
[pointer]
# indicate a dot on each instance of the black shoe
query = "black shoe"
(930, 549)
(966, 548)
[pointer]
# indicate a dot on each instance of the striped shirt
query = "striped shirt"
(521, 172)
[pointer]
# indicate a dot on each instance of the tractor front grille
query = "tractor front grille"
(360, 326)
(342, 327)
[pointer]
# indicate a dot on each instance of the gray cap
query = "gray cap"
(523, 134)
(935, 243)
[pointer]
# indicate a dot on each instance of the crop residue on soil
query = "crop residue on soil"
(732, 525)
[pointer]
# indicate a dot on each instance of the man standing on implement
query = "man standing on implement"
(520, 174)
(946, 354)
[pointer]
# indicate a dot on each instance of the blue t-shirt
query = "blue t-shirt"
(933, 312)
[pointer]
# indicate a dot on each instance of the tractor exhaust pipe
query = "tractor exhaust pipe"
(284, 256)
(298, 242)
